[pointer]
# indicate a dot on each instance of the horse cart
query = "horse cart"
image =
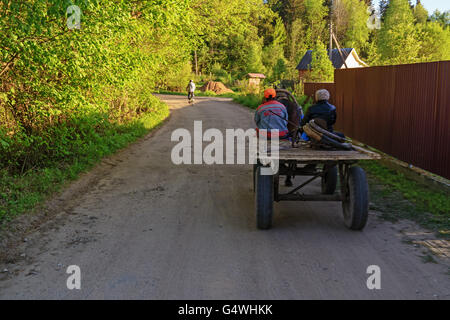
(333, 167)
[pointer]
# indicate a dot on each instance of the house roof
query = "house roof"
(256, 75)
(335, 58)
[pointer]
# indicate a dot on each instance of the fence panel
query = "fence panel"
(401, 110)
(441, 160)
(311, 88)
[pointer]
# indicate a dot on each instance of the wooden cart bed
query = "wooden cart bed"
(305, 153)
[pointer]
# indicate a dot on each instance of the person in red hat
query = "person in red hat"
(272, 115)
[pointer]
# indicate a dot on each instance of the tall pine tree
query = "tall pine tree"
(322, 69)
(420, 13)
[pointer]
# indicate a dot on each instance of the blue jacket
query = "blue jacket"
(272, 115)
(323, 110)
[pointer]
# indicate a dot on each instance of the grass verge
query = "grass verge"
(398, 197)
(252, 101)
(21, 192)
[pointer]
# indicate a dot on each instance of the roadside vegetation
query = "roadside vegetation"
(253, 100)
(70, 96)
(96, 138)
(400, 197)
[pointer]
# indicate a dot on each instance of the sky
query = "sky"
(431, 5)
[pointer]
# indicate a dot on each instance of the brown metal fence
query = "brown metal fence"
(310, 89)
(401, 110)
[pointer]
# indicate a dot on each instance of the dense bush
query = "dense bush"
(69, 96)
(62, 87)
(254, 100)
(249, 100)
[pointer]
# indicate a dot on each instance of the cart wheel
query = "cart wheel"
(356, 199)
(263, 199)
(329, 180)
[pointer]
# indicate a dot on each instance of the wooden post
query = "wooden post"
(339, 49)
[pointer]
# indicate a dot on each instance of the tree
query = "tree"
(420, 13)
(397, 39)
(350, 21)
(288, 10)
(296, 45)
(254, 58)
(340, 17)
(279, 34)
(322, 69)
(228, 32)
(315, 21)
(384, 5)
(273, 55)
(435, 42)
(443, 18)
(279, 70)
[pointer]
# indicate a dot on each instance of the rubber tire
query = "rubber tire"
(356, 202)
(263, 200)
(329, 181)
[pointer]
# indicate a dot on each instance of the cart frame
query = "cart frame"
(328, 165)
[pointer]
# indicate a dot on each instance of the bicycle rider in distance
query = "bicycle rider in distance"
(190, 89)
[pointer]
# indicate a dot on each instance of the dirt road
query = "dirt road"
(141, 227)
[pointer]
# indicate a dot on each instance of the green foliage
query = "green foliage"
(252, 101)
(63, 152)
(407, 37)
(397, 39)
(357, 32)
(322, 69)
(227, 32)
(273, 55)
(350, 23)
(219, 74)
(70, 96)
(295, 47)
(279, 34)
(253, 59)
(443, 18)
(50, 72)
(315, 14)
(279, 69)
(304, 101)
(249, 100)
(435, 42)
(177, 80)
(420, 13)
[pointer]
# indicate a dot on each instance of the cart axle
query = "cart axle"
(309, 197)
